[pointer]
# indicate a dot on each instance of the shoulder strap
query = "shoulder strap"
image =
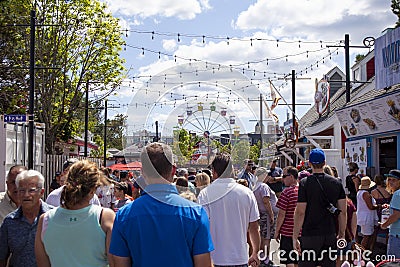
(101, 214)
(380, 193)
(322, 189)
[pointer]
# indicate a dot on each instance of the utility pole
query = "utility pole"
(294, 102)
(347, 65)
(32, 67)
(368, 43)
(31, 89)
(105, 130)
(85, 153)
(261, 124)
(156, 131)
(293, 108)
(105, 135)
(260, 121)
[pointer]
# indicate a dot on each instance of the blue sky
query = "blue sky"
(300, 26)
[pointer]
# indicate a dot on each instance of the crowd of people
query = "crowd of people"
(217, 216)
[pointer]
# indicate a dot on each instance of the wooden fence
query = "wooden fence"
(54, 163)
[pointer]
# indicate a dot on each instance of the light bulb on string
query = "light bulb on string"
(152, 35)
(143, 51)
(251, 41)
(203, 39)
(227, 40)
(179, 39)
(299, 44)
(277, 43)
(159, 55)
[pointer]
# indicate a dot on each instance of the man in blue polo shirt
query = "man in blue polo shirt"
(161, 228)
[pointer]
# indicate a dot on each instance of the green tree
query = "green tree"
(79, 50)
(254, 153)
(359, 57)
(240, 152)
(396, 10)
(14, 57)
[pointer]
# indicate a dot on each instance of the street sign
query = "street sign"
(15, 118)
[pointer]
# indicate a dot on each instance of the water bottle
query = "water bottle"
(385, 215)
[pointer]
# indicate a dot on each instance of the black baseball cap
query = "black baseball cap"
(69, 162)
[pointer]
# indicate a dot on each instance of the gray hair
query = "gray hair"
(30, 174)
(261, 171)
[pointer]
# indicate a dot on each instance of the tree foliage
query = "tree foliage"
(78, 49)
(240, 152)
(254, 153)
(396, 10)
(183, 146)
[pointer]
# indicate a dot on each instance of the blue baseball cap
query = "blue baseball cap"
(317, 156)
(394, 174)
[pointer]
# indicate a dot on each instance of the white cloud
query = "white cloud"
(183, 10)
(169, 45)
(317, 19)
(286, 20)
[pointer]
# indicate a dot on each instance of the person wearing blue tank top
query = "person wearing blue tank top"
(77, 233)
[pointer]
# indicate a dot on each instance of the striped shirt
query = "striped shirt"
(287, 202)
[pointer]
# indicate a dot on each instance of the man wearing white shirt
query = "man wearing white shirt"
(54, 197)
(232, 210)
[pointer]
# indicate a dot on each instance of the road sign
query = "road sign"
(15, 118)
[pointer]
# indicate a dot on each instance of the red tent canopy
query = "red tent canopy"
(127, 167)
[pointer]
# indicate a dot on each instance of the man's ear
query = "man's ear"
(173, 171)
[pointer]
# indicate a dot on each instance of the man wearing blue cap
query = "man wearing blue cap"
(321, 199)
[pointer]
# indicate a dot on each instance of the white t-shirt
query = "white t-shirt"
(230, 208)
(106, 196)
(54, 198)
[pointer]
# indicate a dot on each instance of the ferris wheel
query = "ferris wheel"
(209, 123)
(207, 120)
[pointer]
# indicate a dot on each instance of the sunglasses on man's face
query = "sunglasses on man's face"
(285, 175)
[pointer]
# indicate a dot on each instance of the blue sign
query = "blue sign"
(387, 59)
(15, 118)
